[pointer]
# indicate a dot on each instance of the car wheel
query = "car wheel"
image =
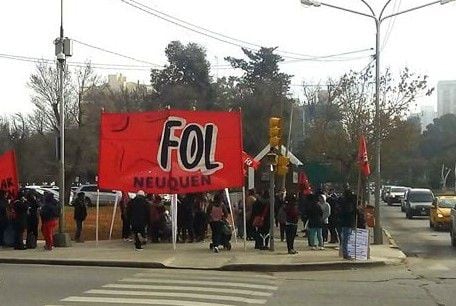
(89, 202)
(408, 214)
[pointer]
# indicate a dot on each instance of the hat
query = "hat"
(141, 193)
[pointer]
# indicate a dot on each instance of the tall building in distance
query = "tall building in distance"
(446, 98)
(427, 116)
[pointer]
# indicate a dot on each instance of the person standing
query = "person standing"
(315, 221)
(3, 216)
(20, 207)
(291, 225)
(126, 229)
(217, 213)
(200, 218)
(49, 212)
(326, 209)
(32, 220)
(138, 213)
(333, 220)
(188, 204)
(80, 214)
(249, 201)
(157, 211)
(261, 222)
(347, 219)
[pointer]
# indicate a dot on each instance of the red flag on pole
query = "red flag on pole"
(362, 157)
(8, 173)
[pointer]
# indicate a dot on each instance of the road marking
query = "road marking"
(215, 278)
(136, 301)
(180, 294)
(188, 288)
(219, 273)
(193, 282)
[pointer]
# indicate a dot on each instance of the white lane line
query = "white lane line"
(189, 288)
(202, 272)
(136, 301)
(194, 282)
(215, 278)
(178, 294)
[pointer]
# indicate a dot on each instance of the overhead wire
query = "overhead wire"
(216, 35)
(396, 7)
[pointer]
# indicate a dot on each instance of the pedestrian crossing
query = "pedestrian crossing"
(181, 288)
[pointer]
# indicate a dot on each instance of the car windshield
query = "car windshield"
(420, 197)
(398, 189)
(447, 202)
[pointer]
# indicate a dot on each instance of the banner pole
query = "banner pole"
(113, 216)
(244, 219)
(234, 231)
(174, 219)
(98, 213)
(356, 210)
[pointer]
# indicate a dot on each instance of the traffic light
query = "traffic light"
(282, 165)
(275, 131)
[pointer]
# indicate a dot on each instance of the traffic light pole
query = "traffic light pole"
(271, 207)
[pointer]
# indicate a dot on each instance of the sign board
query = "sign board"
(171, 151)
(358, 244)
(295, 177)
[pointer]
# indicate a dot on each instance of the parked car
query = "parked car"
(385, 191)
(90, 192)
(439, 216)
(39, 191)
(418, 202)
(396, 195)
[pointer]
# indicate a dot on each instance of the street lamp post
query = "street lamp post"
(378, 235)
(63, 49)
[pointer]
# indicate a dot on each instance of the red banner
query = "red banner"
(170, 151)
(249, 161)
(8, 173)
(363, 161)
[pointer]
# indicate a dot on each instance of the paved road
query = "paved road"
(429, 252)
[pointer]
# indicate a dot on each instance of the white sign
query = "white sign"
(358, 244)
(295, 177)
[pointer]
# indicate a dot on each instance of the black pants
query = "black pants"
(77, 235)
(333, 232)
(19, 236)
(282, 231)
(324, 231)
(136, 231)
(126, 231)
(154, 231)
(32, 227)
(261, 239)
(290, 230)
(2, 230)
(216, 228)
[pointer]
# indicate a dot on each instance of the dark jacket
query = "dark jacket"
(80, 209)
(3, 216)
(261, 208)
(347, 210)
(50, 209)
(20, 212)
(32, 216)
(315, 214)
(292, 213)
(138, 212)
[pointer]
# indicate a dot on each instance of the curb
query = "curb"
(320, 266)
(391, 241)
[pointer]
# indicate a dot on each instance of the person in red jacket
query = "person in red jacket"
(291, 224)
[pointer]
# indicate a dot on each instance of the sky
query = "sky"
(422, 40)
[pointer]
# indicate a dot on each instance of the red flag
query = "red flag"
(170, 151)
(362, 157)
(8, 173)
(249, 161)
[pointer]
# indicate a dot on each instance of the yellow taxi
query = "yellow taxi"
(439, 216)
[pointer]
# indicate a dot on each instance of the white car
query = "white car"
(39, 191)
(107, 197)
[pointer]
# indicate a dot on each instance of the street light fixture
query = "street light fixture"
(378, 235)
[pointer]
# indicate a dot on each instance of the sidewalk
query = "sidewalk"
(118, 253)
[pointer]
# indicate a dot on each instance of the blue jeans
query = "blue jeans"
(346, 231)
(316, 232)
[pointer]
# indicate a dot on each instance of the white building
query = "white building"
(446, 98)
(118, 81)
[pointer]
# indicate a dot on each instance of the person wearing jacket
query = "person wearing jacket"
(291, 222)
(217, 213)
(261, 221)
(138, 214)
(49, 212)
(347, 219)
(315, 222)
(20, 207)
(123, 203)
(326, 209)
(80, 214)
(32, 220)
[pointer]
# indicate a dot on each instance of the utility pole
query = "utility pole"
(63, 48)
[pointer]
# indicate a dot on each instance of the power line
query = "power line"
(397, 5)
(116, 53)
(212, 34)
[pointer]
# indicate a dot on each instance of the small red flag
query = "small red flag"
(362, 157)
(8, 173)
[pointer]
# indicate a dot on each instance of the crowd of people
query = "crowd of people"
(325, 217)
(20, 216)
